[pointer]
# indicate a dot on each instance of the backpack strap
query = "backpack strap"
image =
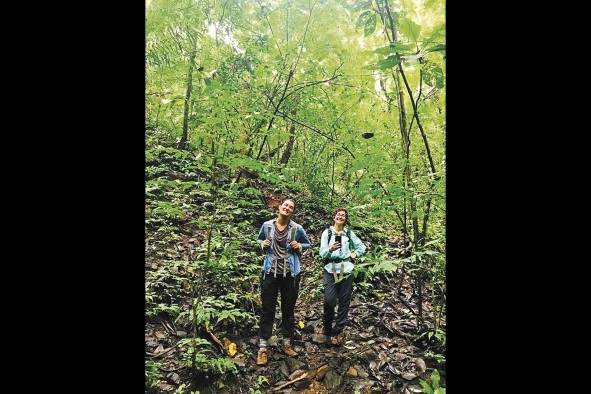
(328, 239)
(267, 231)
(326, 259)
(348, 233)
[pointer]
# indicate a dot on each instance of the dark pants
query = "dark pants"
(289, 288)
(333, 293)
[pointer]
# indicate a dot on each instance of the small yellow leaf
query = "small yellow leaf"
(301, 324)
(232, 349)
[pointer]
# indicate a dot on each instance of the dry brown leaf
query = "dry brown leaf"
(320, 372)
(352, 372)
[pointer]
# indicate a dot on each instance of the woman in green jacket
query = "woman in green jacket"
(339, 247)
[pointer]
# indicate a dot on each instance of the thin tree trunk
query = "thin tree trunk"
(185, 136)
(405, 132)
(420, 291)
(287, 152)
(214, 195)
(423, 237)
(332, 176)
(275, 112)
(407, 170)
(432, 172)
(416, 116)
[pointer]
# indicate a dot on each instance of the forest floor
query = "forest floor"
(380, 353)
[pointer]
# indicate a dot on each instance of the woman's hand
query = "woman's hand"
(352, 255)
(295, 245)
(265, 244)
(335, 246)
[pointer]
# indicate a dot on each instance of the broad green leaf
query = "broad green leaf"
(435, 48)
(409, 28)
(389, 62)
(435, 378)
(395, 191)
(436, 33)
(370, 25)
(426, 388)
(389, 49)
(407, 6)
(433, 75)
(362, 18)
(368, 20)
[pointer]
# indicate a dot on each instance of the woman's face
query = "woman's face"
(340, 217)
(286, 209)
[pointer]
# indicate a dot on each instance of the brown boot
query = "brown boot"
(262, 357)
(287, 349)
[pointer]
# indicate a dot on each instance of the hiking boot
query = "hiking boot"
(287, 349)
(262, 357)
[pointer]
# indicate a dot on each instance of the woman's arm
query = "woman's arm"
(302, 239)
(358, 246)
(324, 250)
(261, 238)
